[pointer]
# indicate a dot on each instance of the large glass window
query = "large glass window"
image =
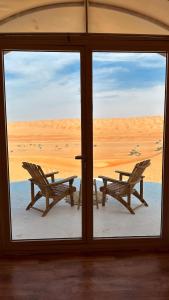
(44, 134)
(128, 112)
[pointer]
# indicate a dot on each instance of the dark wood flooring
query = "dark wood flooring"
(131, 276)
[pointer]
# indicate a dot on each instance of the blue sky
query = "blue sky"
(46, 85)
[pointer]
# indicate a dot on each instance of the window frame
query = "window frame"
(86, 43)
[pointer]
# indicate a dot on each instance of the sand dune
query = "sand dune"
(118, 144)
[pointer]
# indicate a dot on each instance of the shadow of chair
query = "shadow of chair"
(55, 190)
(119, 189)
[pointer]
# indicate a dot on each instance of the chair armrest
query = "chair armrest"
(51, 173)
(32, 180)
(68, 179)
(123, 172)
(126, 173)
(105, 178)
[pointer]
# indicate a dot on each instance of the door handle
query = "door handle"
(83, 160)
(79, 157)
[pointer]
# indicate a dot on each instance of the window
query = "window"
(84, 106)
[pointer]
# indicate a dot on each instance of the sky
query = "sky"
(46, 85)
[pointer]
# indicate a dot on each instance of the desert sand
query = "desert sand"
(118, 144)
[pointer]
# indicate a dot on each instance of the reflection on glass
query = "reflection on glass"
(44, 129)
(128, 112)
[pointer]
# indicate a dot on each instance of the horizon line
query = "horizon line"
(64, 119)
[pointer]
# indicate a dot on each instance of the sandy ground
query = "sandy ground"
(118, 144)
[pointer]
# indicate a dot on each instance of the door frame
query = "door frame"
(86, 43)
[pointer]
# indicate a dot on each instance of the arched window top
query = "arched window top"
(96, 16)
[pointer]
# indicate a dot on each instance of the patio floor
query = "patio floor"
(64, 221)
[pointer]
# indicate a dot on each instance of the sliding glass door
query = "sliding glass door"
(128, 123)
(43, 98)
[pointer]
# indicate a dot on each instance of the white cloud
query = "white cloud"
(129, 102)
(149, 60)
(57, 99)
(99, 73)
(34, 67)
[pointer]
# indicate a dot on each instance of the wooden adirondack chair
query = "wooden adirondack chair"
(54, 190)
(119, 189)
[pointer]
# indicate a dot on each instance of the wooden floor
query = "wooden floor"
(117, 277)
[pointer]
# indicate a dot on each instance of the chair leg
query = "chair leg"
(78, 204)
(80, 195)
(126, 204)
(140, 197)
(71, 199)
(33, 200)
(129, 200)
(32, 197)
(95, 191)
(97, 203)
(103, 199)
(48, 206)
(45, 212)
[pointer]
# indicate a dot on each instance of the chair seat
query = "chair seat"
(61, 189)
(115, 188)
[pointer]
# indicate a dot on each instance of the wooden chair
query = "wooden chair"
(54, 190)
(119, 188)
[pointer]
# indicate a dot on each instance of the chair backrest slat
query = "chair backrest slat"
(37, 174)
(138, 172)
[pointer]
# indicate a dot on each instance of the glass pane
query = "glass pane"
(44, 129)
(128, 112)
